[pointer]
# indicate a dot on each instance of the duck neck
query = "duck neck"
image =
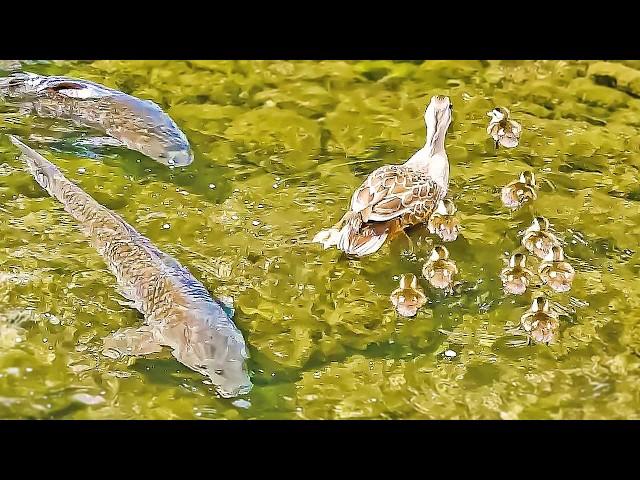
(436, 166)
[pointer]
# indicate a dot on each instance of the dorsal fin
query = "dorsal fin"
(75, 89)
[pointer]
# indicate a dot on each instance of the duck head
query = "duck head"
(539, 224)
(518, 259)
(528, 178)
(439, 252)
(409, 280)
(540, 304)
(498, 114)
(437, 118)
(556, 254)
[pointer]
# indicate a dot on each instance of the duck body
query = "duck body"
(395, 197)
(556, 272)
(540, 321)
(409, 297)
(443, 222)
(537, 239)
(520, 191)
(439, 270)
(515, 278)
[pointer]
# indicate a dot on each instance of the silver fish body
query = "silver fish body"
(140, 125)
(179, 312)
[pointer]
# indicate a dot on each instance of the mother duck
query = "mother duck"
(395, 197)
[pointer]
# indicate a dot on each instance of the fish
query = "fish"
(140, 125)
(178, 311)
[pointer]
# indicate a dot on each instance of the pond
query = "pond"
(279, 148)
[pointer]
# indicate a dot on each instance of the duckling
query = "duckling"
(409, 297)
(540, 321)
(443, 223)
(520, 191)
(396, 197)
(439, 270)
(502, 129)
(515, 278)
(555, 272)
(538, 239)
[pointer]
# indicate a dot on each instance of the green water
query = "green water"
(279, 148)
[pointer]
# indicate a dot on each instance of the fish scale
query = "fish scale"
(179, 311)
(138, 124)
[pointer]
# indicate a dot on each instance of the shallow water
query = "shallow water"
(279, 147)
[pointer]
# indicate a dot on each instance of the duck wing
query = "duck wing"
(395, 190)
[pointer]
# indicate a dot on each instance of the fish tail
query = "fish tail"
(42, 169)
(75, 200)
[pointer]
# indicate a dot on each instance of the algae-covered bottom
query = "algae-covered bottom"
(279, 147)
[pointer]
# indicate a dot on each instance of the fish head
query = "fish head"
(227, 370)
(214, 347)
(174, 156)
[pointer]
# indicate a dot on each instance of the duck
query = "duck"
(538, 239)
(409, 297)
(540, 321)
(439, 269)
(515, 278)
(443, 223)
(520, 191)
(502, 129)
(396, 197)
(555, 271)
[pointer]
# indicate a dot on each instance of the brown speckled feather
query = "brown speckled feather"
(396, 191)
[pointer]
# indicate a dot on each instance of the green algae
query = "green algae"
(279, 147)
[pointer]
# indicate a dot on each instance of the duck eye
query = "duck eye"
(451, 106)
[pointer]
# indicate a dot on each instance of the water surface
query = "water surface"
(279, 147)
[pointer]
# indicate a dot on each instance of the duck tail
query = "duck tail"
(328, 238)
(360, 238)
(353, 236)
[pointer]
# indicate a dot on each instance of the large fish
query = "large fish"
(140, 125)
(179, 312)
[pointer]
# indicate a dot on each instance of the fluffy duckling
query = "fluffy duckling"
(520, 191)
(515, 278)
(538, 239)
(439, 270)
(443, 223)
(502, 129)
(540, 321)
(409, 297)
(555, 272)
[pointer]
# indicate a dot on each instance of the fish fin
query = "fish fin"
(227, 305)
(79, 90)
(128, 294)
(99, 142)
(130, 341)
